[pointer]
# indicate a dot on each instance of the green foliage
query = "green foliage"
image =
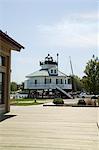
(25, 102)
(58, 101)
(91, 78)
(77, 83)
(28, 101)
(81, 102)
(98, 101)
(13, 86)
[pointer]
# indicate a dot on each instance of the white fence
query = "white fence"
(18, 96)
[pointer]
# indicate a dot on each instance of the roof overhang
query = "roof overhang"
(13, 44)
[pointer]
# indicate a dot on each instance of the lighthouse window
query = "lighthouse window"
(61, 81)
(45, 80)
(48, 81)
(35, 81)
(69, 81)
(51, 71)
(56, 81)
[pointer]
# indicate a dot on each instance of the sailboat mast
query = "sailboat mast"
(71, 66)
(72, 77)
(57, 60)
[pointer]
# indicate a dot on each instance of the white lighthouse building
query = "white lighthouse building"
(48, 81)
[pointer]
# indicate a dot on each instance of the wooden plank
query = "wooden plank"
(50, 128)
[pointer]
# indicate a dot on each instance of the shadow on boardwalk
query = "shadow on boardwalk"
(4, 117)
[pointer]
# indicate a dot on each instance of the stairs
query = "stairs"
(64, 92)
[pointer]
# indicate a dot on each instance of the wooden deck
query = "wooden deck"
(50, 128)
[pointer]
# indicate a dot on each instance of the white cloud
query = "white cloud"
(73, 32)
(89, 17)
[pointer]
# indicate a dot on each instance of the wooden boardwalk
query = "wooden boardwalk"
(50, 128)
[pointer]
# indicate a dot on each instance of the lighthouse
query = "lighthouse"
(49, 80)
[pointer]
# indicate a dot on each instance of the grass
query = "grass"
(28, 102)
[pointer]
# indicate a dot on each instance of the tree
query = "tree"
(13, 86)
(91, 78)
(78, 83)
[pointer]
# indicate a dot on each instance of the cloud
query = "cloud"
(89, 17)
(77, 30)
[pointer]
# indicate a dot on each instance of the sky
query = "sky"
(67, 27)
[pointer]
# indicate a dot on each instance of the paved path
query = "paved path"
(50, 128)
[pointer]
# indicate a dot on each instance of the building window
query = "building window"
(45, 80)
(1, 88)
(69, 81)
(35, 81)
(61, 81)
(51, 71)
(56, 81)
(65, 81)
(55, 71)
(2, 61)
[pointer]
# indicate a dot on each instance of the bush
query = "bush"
(83, 96)
(81, 102)
(98, 101)
(58, 101)
(90, 102)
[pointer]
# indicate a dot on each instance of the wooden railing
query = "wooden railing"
(47, 86)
